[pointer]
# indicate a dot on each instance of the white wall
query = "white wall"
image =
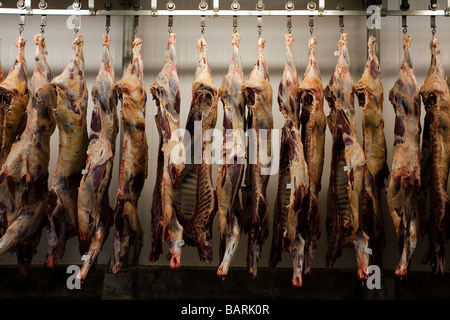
(153, 31)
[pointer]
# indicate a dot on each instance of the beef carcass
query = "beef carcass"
(70, 115)
(369, 91)
(313, 124)
(165, 225)
(347, 166)
(435, 96)
(95, 215)
(128, 233)
(293, 179)
(404, 180)
(24, 175)
(229, 174)
(13, 101)
(258, 97)
(195, 197)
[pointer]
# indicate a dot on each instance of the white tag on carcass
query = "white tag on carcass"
(413, 244)
(85, 257)
(336, 53)
(289, 186)
(166, 164)
(221, 161)
(84, 171)
(368, 251)
(181, 243)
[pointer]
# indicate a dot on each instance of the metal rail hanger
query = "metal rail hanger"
(25, 7)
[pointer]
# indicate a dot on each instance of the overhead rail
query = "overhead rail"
(25, 7)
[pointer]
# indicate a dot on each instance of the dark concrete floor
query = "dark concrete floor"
(201, 283)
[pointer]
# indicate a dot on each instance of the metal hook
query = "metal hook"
(170, 24)
(235, 24)
(433, 25)
(289, 24)
(202, 25)
(404, 24)
(107, 24)
(259, 25)
(341, 24)
(43, 23)
(136, 25)
(311, 25)
(21, 23)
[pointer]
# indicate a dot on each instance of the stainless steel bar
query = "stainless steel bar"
(447, 9)
(91, 6)
(154, 6)
(251, 13)
(28, 5)
(50, 12)
(216, 7)
(321, 7)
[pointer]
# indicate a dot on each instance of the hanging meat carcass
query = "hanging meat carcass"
(95, 215)
(1, 72)
(313, 124)
(404, 180)
(128, 233)
(293, 179)
(70, 115)
(347, 167)
(436, 98)
(258, 97)
(165, 225)
(13, 101)
(369, 91)
(195, 197)
(24, 175)
(229, 174)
